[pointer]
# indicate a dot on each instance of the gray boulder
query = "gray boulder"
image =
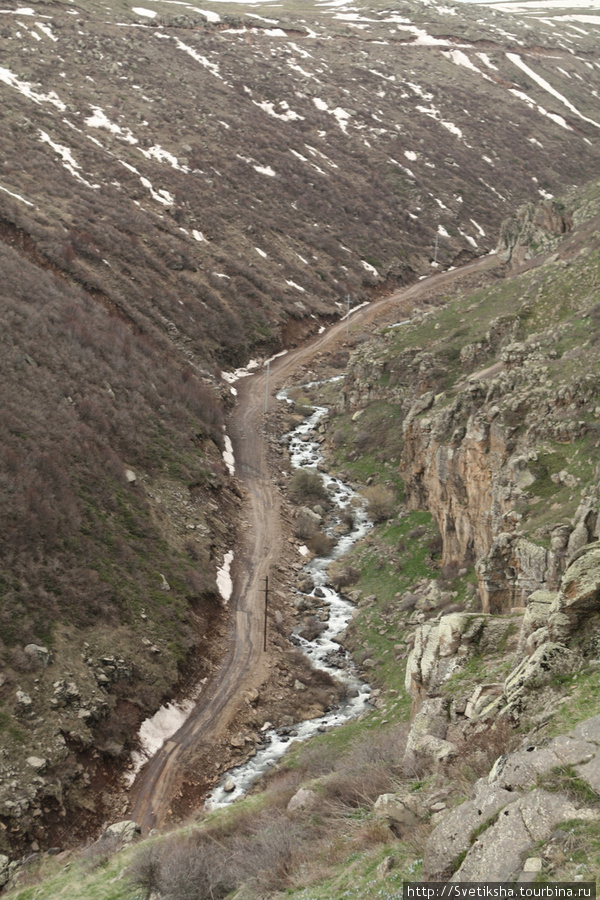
(42, 654)
(124, 831)
(402, 809)
(303, 799)
(497, 853)
(452, 837)
(4, 869)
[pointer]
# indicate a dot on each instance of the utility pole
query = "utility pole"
(435, 251)
(267, 386)
(347, 314)
(266, 605)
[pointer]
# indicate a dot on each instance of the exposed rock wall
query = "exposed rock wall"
(471, 465)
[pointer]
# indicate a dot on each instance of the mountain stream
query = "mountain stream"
(323, 651)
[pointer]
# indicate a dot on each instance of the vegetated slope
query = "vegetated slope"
(111, 474)
(482, 673)
(497, 400)
(224, 178)
(176, 194)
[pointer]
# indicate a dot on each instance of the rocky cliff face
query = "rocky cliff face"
(499, 418)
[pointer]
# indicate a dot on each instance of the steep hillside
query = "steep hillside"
(478, 609)
(221, 180)
(182, 189)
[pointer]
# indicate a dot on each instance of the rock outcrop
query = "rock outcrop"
(536, 227)
(519, 805)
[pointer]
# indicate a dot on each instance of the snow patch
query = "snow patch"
(25, 88)
(545, 85)
(224, 580)
(45, 29)
(228, 456)
(16, 196)
(287, 114)
(369, 268)
(212, 67)
(101, 120)
(231, 377)
(155, 731)
(157, 152)
(68, 160)
(162, 196)
(265, 170)
(147, 13)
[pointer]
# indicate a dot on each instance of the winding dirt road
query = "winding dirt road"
(260, 544)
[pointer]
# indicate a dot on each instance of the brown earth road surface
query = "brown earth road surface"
(260, 543)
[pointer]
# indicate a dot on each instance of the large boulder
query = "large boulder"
(535, 618)
(427, 735)
(579, 594)
(124, 831)
(402, 810)
(4, 869)
(303, 799)
(498, 852)
(452, 837)
(487, 837)
(546, 663)
(39, 653)
(440, 649)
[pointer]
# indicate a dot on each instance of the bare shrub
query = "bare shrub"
(479, 750)
(144, 871)
(351, 789)
(266, 859)
(23, 662)
(367, 771)
(305, 528)
(381, 502)
(305, 485)
(321, 544)
(348, 516)
(180, 868)
(100, 852)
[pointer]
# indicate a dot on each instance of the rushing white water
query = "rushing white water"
(323, 651)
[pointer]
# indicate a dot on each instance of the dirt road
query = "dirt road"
(245, 666)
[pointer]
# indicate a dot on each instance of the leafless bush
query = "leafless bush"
(305, 485)
(381, 502)
(321, 544)
(305, 528)
(348, 516)
(266, 859)
(23, 662)
(367, 771)
(480, 749)
(180, 868)
(351, 789)
(100, 852)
